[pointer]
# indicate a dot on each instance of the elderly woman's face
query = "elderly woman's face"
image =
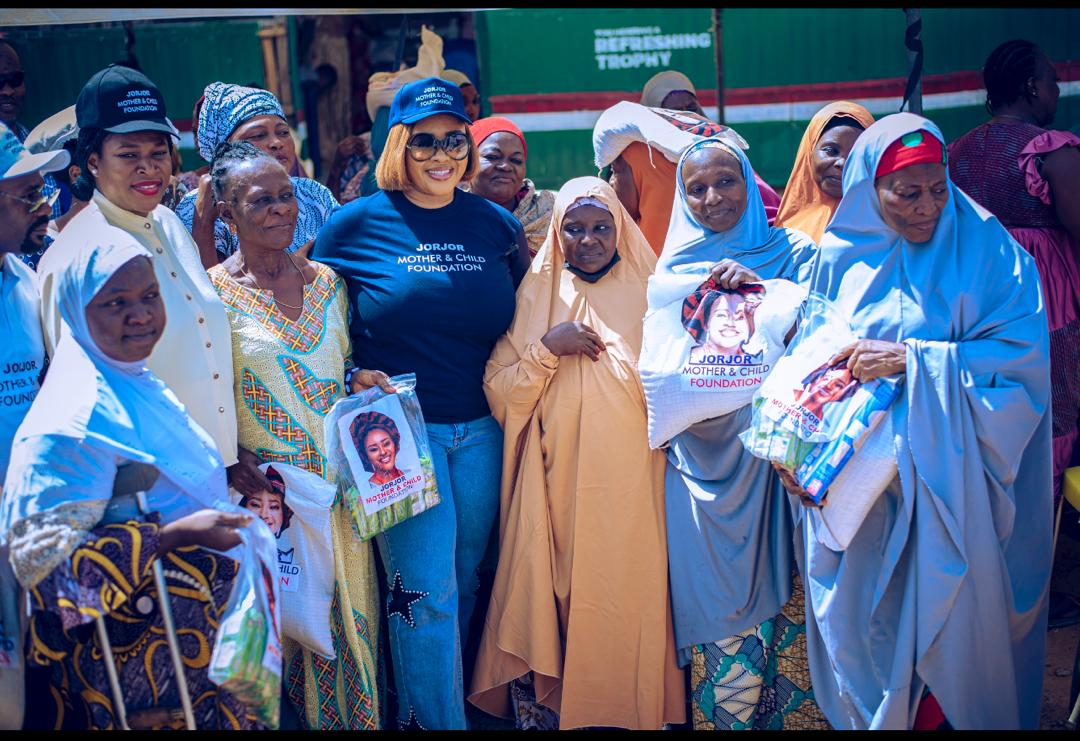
(271, 134)
(715, 189)
(261, 205)
(127, 316)
(133, 170)
(912, 199)
(589, 238)
(269, 506)
(829, 156)
(502, 168)
(381, 450)
(439, 175)
(729, 323)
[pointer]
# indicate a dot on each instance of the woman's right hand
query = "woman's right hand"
(729, 274)
(245, 476)
(207, 528)
(205, 208)
(570, 338)
(793, 487)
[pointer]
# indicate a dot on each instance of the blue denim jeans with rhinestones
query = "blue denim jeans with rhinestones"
(431, 568)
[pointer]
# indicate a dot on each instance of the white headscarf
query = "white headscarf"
(108, 407)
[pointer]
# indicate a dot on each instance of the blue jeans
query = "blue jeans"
(431, 566)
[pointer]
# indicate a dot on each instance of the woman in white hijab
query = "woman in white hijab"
(103, 427)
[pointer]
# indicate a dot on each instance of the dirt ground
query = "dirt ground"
(1061, 643)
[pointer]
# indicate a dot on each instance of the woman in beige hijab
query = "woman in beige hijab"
(580, 617)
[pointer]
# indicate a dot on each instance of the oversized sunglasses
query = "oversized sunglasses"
(14, 79)
(34, 204)
(423, 146)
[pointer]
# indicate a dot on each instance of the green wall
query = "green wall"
(552, 51)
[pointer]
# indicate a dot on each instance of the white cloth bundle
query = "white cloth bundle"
(668, 131)
(704, 356)
(305, 556)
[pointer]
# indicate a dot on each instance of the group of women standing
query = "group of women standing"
(520, 311)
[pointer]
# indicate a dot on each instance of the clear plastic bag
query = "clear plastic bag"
(380, 457)
(812, 418)
(246, 661)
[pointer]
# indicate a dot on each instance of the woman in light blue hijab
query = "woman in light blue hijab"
(736, 603)
(944, 587)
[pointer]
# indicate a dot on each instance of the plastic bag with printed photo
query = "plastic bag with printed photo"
(380, 457)
(706, 353)
(297, 511)
(824, 427)
(246, 661)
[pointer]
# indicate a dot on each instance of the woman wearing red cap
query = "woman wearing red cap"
(935, 613)
(501, 177)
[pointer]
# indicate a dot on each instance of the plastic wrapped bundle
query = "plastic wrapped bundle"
(380, 457)
(820, 424)
(246, 661)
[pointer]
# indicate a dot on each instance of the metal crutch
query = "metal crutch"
(119, 710)
(170, 628)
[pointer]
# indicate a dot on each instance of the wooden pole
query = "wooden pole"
(718, 43)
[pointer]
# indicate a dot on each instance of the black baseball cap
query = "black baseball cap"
(122, 100)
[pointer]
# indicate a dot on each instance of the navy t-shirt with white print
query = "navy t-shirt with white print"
(430, 291)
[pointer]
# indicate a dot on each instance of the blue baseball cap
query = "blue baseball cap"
(428, 97)
(16, 161)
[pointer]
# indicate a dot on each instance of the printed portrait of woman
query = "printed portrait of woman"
(721, 321)
(825, 384)
(270, 505)
(378, 441)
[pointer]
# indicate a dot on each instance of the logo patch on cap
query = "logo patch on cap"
(138, 101)
(913, 139)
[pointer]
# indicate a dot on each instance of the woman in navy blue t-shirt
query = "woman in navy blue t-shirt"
(431, 273)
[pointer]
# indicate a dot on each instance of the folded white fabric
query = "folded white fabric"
(704, 355)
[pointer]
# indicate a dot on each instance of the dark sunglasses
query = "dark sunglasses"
(14, 79)
(422, 146)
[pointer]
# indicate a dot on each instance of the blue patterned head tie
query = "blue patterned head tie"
(225, 107)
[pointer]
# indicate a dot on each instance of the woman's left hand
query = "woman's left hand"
(364, 379)
(870, 359)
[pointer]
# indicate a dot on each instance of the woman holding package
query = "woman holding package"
(103, 427)
(943, 589)
(235, 113)
(501, 177)
(736, 599)
(431, 272)
(579, 611)
(814, 188)
(291, 353)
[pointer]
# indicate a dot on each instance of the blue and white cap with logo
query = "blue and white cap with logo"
(16, 161)
(428, 97)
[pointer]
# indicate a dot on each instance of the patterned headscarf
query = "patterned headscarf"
(226, 106)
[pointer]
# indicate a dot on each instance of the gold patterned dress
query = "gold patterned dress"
(287, 376)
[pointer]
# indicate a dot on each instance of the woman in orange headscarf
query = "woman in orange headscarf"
(813, 190)
(580, 620)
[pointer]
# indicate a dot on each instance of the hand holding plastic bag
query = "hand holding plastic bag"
(246, 661)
